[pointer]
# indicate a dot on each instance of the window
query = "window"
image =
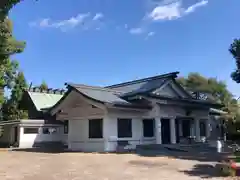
(31, 130)
(95, 128)
(45, 130)
(202, 128)
(52, 130)
(65, 126)
(124, 128)
(148, 127)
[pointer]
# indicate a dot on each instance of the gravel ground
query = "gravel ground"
(94, 166)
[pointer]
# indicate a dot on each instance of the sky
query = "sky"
(102, 42)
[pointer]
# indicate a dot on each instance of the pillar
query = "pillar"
(197, 129)
(109, 134)
(158, 130)
(173, 130)
(208, 128)
(180, 128)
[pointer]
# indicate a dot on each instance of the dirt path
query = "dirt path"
(88, 166)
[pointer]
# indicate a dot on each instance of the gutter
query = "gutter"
(3, 123)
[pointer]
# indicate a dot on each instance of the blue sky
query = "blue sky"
(102, 42)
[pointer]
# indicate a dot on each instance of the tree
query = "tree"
(43, 86)
(8, 46)
(216, 90)
(6, 6)
(11, 107)
(235, 51)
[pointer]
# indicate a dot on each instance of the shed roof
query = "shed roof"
(44, 100)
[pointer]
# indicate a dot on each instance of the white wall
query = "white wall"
(78, 129)
(171, 111)
(28, 140)
(137, 128)
(78, 139)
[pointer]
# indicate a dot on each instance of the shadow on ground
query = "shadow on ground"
(204, 171)
(197, 156)
(39, 150)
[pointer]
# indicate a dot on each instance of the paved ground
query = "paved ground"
(89, 166)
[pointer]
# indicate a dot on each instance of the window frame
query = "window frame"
(124, 133)
(44, 132)
(25, 128)
(66, 127)
(153, 127)
(202, 127)
(91, 132)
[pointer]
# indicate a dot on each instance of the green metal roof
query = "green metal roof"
(44, 100)
(217, 111)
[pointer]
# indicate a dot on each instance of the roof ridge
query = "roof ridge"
(172, 74)
(44, 93)
(92, 87)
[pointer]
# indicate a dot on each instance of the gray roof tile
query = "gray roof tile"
(100, 94)
(143, 85)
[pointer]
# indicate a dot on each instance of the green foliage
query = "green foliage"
(8, 46)
(43, 86)
(1, 131)
(7, 5)
(235, 51)
(214, 88)
(11, 109)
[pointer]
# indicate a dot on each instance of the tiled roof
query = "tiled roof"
(117, 94)
(100, 94)
(104, 95)
(143, 85)
(43, 100)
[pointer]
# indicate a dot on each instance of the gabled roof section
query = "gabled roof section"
(161, 87)
(43, 100)
(167, 90)
(100, 94)
(103, 95)
(143, 85)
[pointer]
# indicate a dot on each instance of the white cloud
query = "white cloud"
(44, 23)
(195, 6)
(166, 12)
(80, 20)
(151, 34)
(98, 16)
(136, 31)
(173, 9)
